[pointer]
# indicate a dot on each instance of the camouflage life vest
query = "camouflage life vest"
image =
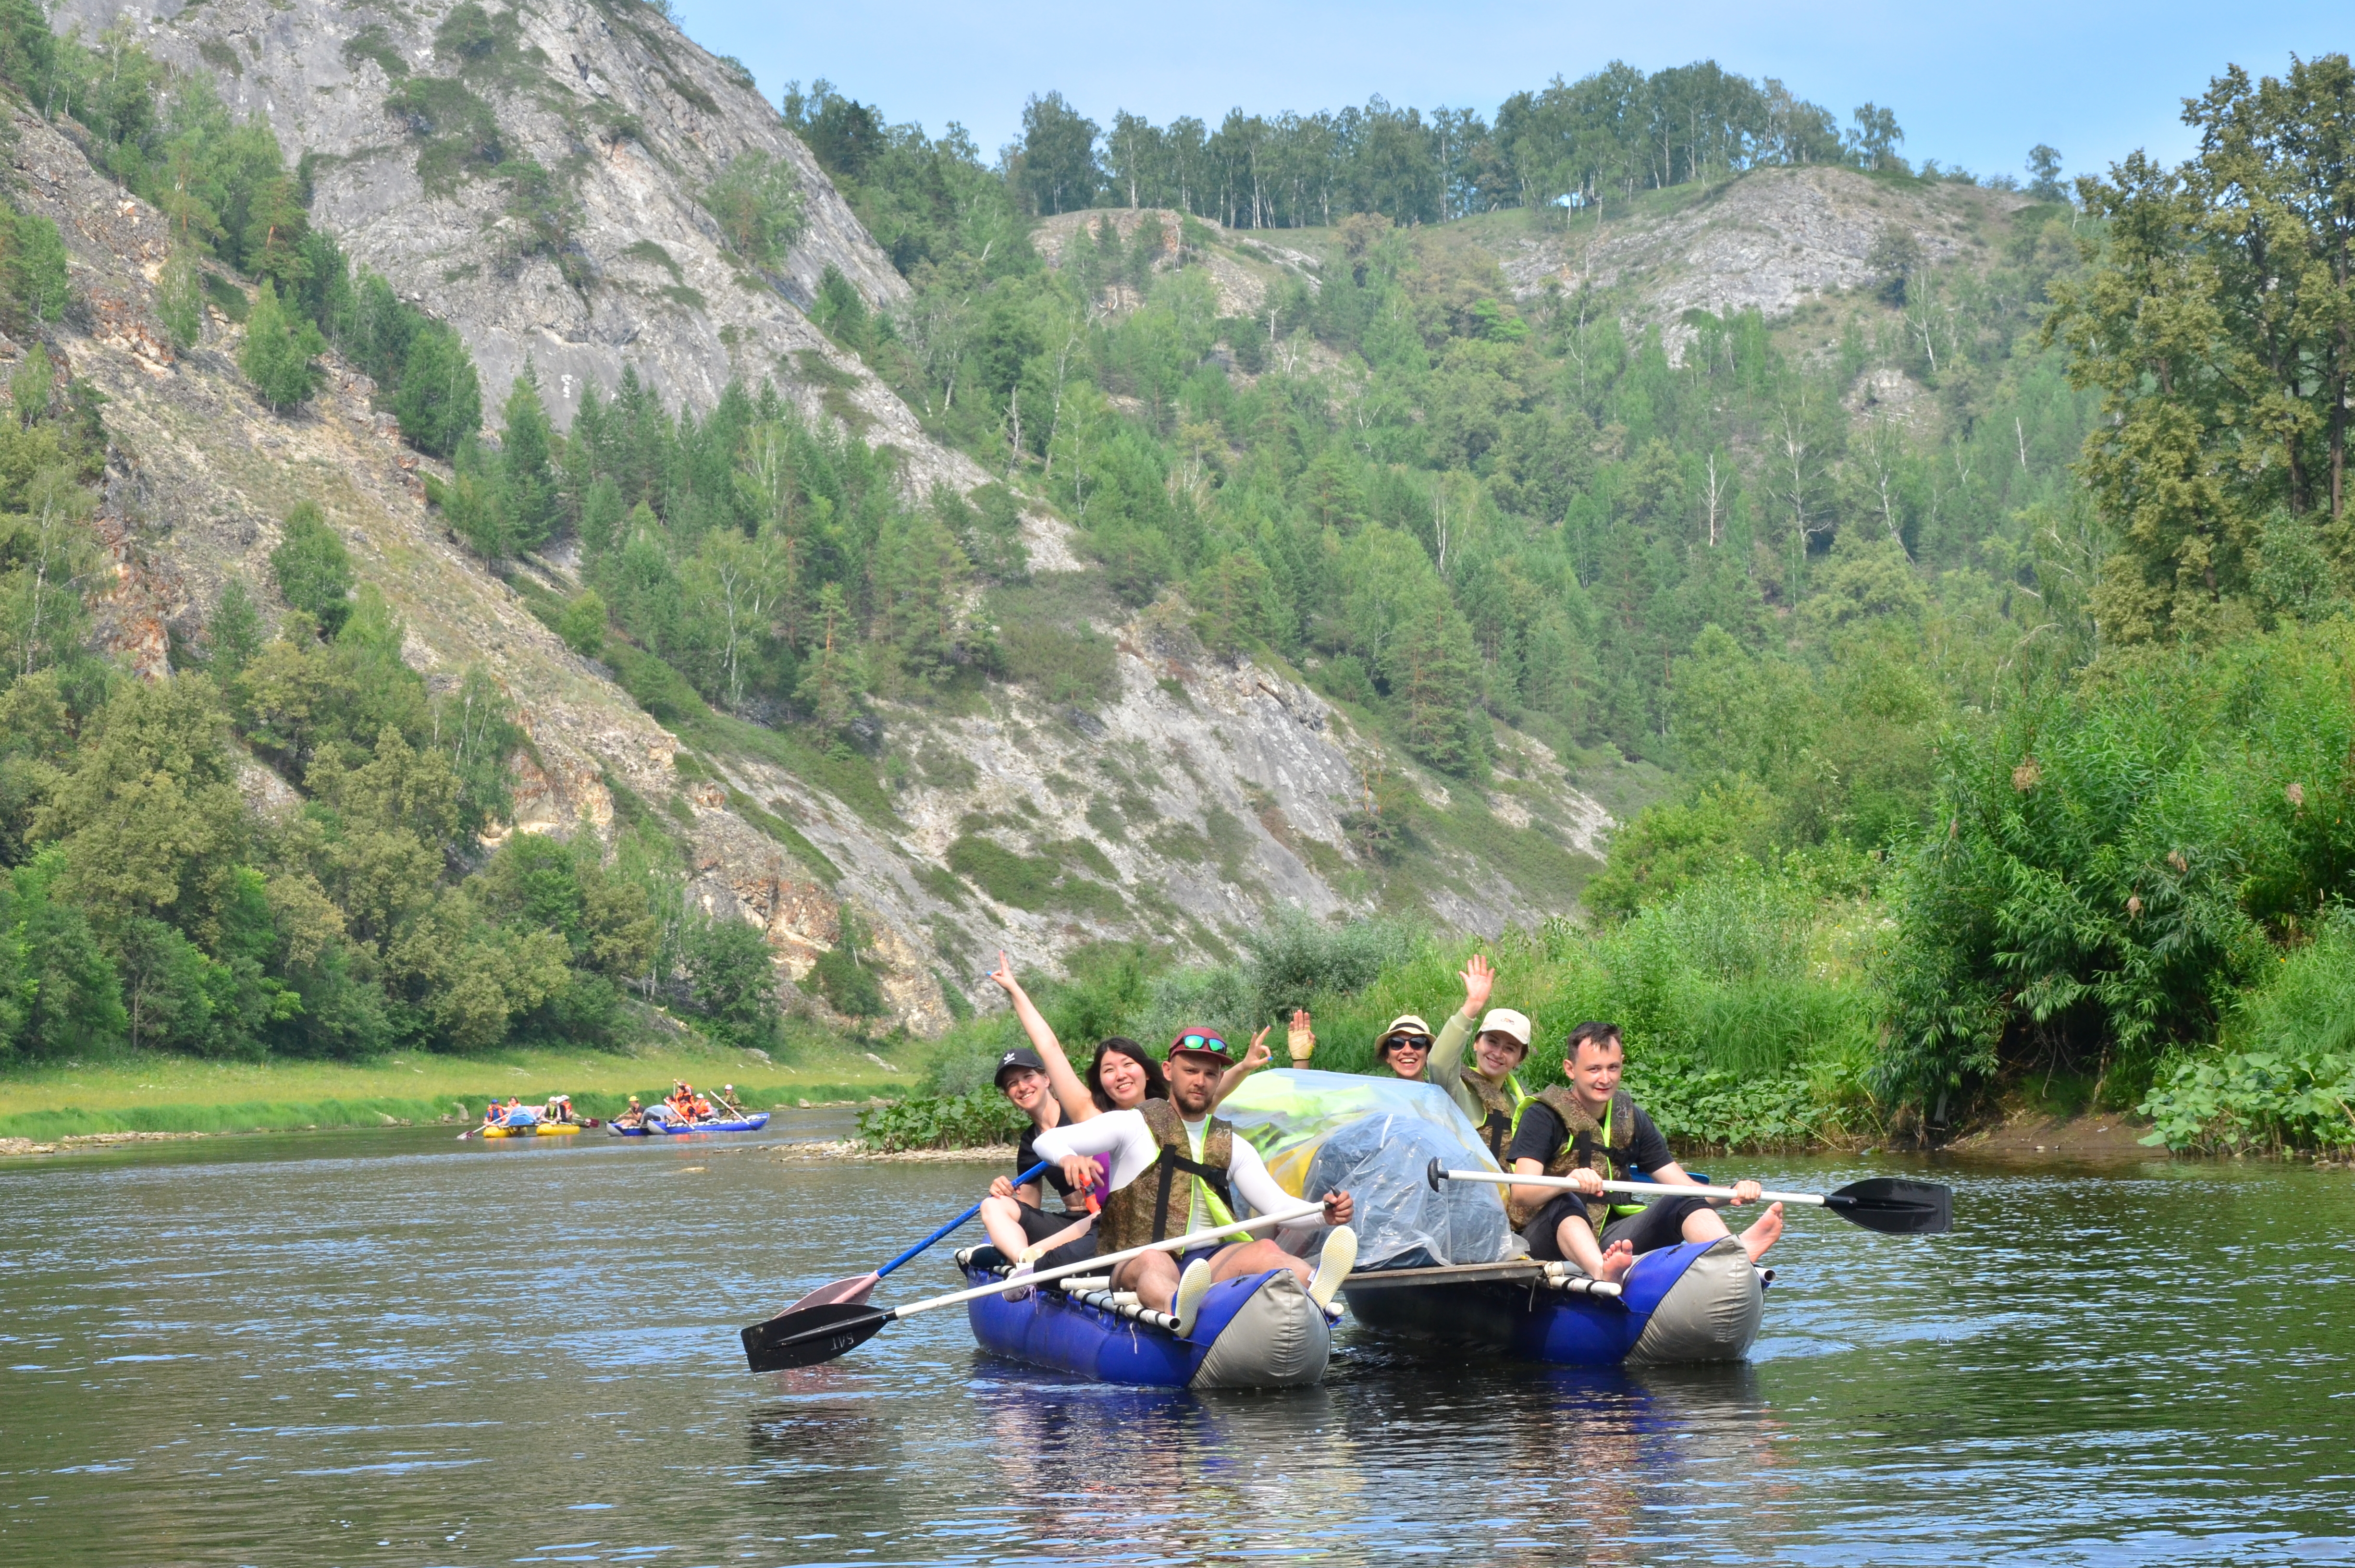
(1143, 1210)
(1501, 1106)
(1601, 1147)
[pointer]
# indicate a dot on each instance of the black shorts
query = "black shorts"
(1038, 1225)
(1658, 1224)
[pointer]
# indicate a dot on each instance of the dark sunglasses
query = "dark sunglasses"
(1407, 1043)
(1200, 1043)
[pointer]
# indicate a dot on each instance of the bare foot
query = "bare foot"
(1618, 1259)
(1764, 1232)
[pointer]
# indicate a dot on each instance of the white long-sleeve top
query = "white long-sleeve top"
(1134, 1150)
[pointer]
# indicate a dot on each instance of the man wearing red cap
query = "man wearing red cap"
(1177, 1169)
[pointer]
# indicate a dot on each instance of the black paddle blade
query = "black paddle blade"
(809, 1335)
(1895, 1206)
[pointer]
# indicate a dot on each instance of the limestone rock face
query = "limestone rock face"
(1768, 240)
(632, 121)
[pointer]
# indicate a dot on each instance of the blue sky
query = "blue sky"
(1973, 84)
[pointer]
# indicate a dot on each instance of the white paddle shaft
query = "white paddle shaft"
(1174, 1244)
(1648, 1191)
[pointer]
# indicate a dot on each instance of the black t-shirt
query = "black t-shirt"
(1026, 1155)
(1542, 1136)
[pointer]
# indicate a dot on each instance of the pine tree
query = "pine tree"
(233, 633)
(278, 351)
(179, 298)
(831, 673)
(527, 487)
(439, 402)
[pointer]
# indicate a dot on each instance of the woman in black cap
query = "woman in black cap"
(1012, 1214)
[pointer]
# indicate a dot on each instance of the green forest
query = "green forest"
(2002, 750)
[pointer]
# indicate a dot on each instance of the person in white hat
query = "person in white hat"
(1407, 1049)
(1491, 1092)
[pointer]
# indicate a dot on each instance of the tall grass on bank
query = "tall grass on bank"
(1746, 1019)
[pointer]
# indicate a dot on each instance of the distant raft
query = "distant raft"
(752, 1123)
(1696, 1301)
(532, 1129)
(1258, 1331)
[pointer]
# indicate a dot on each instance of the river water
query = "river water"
(394, 1349)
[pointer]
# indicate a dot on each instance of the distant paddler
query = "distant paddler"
(1177, 1169)
(1590, 1131)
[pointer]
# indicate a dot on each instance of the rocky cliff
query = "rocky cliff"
(403, 117)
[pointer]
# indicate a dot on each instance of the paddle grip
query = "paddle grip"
(1031, 1174)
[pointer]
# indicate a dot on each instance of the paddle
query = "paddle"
(855, 1290)
(803, 1337)
(1890, 1204)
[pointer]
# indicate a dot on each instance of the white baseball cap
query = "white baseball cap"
(1505, 1021)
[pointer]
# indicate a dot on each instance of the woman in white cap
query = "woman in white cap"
(1407, 1050)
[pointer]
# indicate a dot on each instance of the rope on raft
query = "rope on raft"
(1120, 1303)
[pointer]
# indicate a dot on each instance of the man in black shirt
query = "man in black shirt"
(1590, 1131)
(1012, 1214)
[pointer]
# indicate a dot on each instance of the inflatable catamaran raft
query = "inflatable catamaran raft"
(1438, 1262)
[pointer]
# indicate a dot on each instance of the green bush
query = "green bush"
(1045, 642)
(2286, 1078)
(758, 205)
(973, 1120)
(2107, 862)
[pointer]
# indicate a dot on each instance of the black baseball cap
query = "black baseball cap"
(1016, 1060)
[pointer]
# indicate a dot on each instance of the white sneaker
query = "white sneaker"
(1192, 1287)
(1333, 1266)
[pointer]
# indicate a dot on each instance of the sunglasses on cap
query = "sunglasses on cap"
(1200, 1043)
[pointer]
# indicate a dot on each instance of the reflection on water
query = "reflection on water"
(391, 1348)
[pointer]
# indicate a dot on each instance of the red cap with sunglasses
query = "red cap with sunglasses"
(1203, 1043)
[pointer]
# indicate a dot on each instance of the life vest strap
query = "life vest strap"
(1214, 1182)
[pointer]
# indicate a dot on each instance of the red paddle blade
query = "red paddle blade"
(853, 1292)
(804, 1338)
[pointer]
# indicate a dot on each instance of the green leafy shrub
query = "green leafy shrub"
(2106, 862)
(758, 205)
(973, 1120)
(2285, 1076)
(1045, 642)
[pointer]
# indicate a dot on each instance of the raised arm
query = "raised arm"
(1446, 1067)
(1071, 1091)
(1231, 1080)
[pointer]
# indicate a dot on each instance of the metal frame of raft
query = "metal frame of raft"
(1258, 1331)
(1695, 1301)
(752, 1123)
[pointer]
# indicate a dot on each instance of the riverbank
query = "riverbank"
(73, 1103)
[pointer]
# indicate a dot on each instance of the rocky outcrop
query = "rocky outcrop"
(631, 120)
(1766, 240)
